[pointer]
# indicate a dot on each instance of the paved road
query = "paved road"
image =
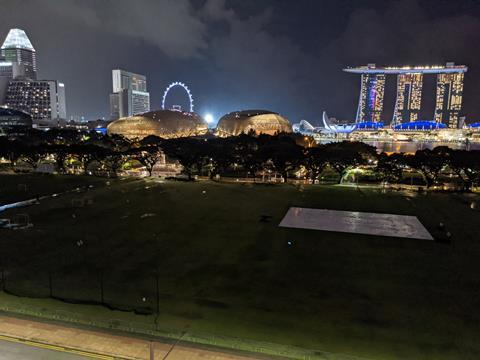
(93, 344)
(17, 351)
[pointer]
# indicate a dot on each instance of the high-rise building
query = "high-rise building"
(43, 99)
(449, 98)
(127, 80)
(409, 97)
(6, 74)
(370, 105)
(19, 87)
(18, 50)
(130, 96)
(409, 92)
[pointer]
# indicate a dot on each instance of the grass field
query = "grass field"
(15, 187)
(223, 271)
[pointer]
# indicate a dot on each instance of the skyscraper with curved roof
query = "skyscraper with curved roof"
(20, 89)
(19, 51)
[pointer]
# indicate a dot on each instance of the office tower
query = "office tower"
(6, 74)
(19, 87)
(130, 96)
(43, 99)
(18, 50)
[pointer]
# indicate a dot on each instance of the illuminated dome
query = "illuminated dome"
(259, 121)
(163, 123)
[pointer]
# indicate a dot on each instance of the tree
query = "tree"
(60, 153)
(219, 155)
(245, 153)
(86, 154)
(428, 163)
(466, 164)
(10, 150)
(345, 155)
(57, 136)
(32, 155)
(390, 167)
(148, 156)
(188, 151)
(151, 140)
(284, 154)
(315, 161)
(111, 159)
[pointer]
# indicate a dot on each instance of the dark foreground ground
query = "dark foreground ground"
(225, 267)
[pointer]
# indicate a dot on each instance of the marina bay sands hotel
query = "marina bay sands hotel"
(409, 93)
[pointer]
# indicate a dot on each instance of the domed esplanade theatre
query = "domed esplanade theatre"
(166, 124)
(246, 121)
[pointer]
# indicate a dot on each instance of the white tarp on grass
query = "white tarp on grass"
(356, 222)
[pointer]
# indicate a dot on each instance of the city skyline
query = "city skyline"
(20, 88)
(224, 67)
(408, 100)
(239, 179)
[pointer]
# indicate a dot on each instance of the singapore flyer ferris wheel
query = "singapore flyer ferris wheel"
(182, 85)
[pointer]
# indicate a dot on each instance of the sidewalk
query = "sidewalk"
(101, 344)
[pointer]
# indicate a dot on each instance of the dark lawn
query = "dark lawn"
(223, 271)
(18, 187)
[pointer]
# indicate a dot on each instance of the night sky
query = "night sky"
(281, 55)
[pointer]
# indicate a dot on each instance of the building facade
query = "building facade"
(18, 50)
(130, 96)
(42, 99)
(409, 98)
(6, 75)
(408, 103)
(370, 104)
(449, 98)
(19, 87)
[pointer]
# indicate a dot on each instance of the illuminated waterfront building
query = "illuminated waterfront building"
(166, 124)
(449, 98)
(409, 92)
(370, 104)
(409, 97)
(130, 96)
(252, 121)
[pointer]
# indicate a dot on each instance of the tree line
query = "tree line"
(288, 155)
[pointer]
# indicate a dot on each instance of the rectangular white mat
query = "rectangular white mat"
(356, 222)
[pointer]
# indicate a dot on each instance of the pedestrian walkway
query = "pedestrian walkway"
(104, 344)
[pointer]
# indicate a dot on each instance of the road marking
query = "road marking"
(56, 348)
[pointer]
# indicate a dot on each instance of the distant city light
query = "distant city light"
(209, 118)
